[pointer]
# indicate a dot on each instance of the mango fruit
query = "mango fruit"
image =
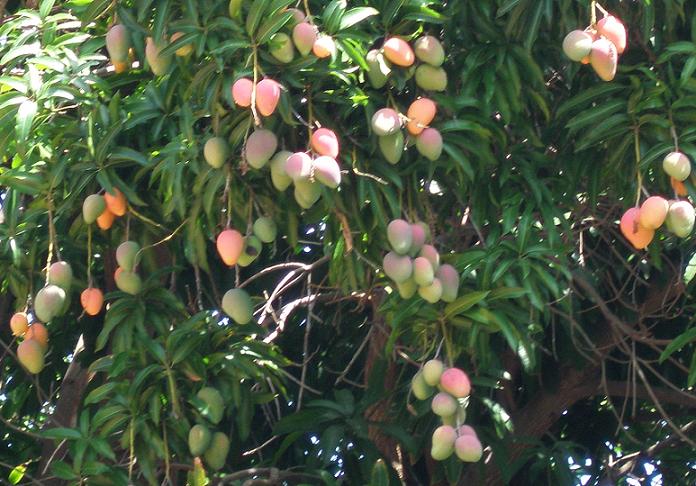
(19, 323)
(397, 51)
(92, 300)
(614, 30)
(468, 448)
(230, 244)
(267, 96)
(397, 267)
(431, 78)
(431, 293)
(307, 193)
(455, 382)
(236, 303)
(577, 45)
(241, 92)
(419, 233)
(38, 332)
(429, 144)
(677, 165)
(250, 252)
(115, 201)
(118, 42)
(421, 112)
(60, 274)
(92, 207)
(281, 47)
(385, 122)
(428, 49)
(325, 142)
(444, 404)
(400, 236)
(327, 171)
(379, 69)
(324, 46)
(159, 65)
(31, 356)
(449, 277)
(423, 273)
(298, 166)
(297, 15)
(216, 151)
(432, 371)
(431, 254)
(49, 302)
(279, 177)
(653, 212)
(265, 229)
(215, 405)
(304, 35)
(392, 146)
(183, 51)
(604, 59)
(636, 234)
(198, 439)
(216, 454)
(421, 390)
(106, 220)
(260, 147)
(679, 187)
(234, 8)
(407, 288)
(127, 281)
(127, 255)
(680, 218)
(443, 442)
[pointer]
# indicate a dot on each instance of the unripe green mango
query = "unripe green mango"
(260, 147)
(385, 122)
(421, 390)
(307, 193)
(31, 355)
(216, 151)
(677, 165)
(128, 281)
(379, 68)
(327, 171)
(199, 439)
(60, 274)
(432, 370)
(215, 405)
(443, 442)
(237, 304)
(127, 254)
(216, 455)
(281, 47)
(159, 65)
(429, 144)
(49, 302)
(392, 146)
(577, 45)
(93, 206)
(407, 288)
(444, 404)
(431, 293)
(279, 177)
(680, 218)
(252, 250)
(428, 49)
(235, 8)
(265, 229)
(431, 78)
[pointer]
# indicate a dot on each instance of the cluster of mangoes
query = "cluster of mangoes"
(305, 37)
(32, 349)
(450, 405)
(212, 446)
(126, 277)
(638, 225)
(266, 94)
(598, 45)
(104, 208)
(119, 47)
(387, 124)
(415, 266)
(430, 76)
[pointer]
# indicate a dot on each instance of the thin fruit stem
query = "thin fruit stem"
(593, 13)
(89, 256)
(257, 120)
(636, 147)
